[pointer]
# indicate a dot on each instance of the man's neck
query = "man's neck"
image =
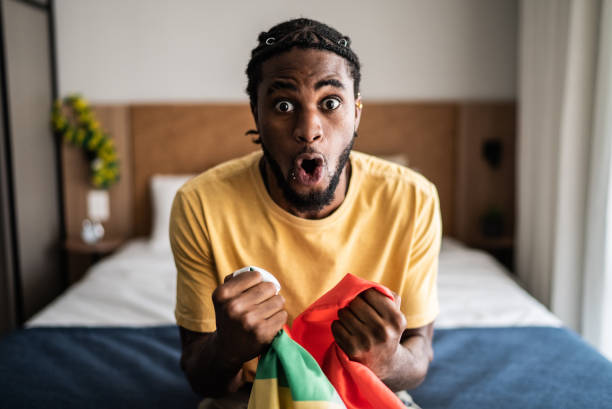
(277, 196)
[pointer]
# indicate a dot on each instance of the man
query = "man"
(308, 210)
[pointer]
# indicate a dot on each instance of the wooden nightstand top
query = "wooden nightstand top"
(106, 245)
(502, 242)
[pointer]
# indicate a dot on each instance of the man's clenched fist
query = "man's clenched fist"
(249, 314)
(369, 330)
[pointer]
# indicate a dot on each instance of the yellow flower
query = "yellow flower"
(79, 104)
(106, 156)
(59, 123)
(85, 118)
(97, 180)
(93, 142)
(80, 136)
(106, 145)
(69, 135)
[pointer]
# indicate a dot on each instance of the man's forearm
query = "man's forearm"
(209, 372)
(410, 363)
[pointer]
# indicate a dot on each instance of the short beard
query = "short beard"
(312, 201)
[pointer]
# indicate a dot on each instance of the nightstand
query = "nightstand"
(81, 256)
(502, 248)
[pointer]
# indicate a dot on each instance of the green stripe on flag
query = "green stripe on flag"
(295, 368)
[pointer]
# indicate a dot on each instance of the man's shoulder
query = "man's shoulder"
(382, 172)
(230, 174)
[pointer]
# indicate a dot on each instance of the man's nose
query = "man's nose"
(308, 126)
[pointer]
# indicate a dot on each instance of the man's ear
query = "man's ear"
(254, 112)
(358, 109)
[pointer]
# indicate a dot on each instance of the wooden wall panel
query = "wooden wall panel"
(179, 139)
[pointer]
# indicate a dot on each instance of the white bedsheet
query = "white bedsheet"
(476, 291)
(137, 287)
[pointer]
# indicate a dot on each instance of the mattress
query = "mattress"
(136, 286)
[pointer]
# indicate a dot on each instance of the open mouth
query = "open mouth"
(309, 168)
(310, 165)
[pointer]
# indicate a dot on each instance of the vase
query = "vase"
(92, 231)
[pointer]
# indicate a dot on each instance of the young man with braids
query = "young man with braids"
(308, 210)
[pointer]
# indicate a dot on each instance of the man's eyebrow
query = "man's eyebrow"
(331, 82)
(276, 85)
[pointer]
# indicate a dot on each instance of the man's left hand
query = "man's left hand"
(369, 330)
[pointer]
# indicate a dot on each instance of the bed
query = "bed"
(110, 341)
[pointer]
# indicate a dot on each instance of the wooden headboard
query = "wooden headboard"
(442, 140)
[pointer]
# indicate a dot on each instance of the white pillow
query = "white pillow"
(163, 190)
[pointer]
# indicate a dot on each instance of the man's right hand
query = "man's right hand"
(249, 314)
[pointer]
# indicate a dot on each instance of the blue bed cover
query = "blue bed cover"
(516, 367)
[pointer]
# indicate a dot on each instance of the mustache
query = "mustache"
(306, 149)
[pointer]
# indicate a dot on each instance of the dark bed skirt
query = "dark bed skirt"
(515, 367)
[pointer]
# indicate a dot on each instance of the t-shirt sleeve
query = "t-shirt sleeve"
(420, 298)
(196, 278)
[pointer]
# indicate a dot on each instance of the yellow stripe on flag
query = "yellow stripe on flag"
(266, 394)
(306, 404)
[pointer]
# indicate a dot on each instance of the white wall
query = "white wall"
(195, 50)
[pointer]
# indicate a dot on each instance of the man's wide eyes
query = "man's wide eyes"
(284, 106)
(328, 104)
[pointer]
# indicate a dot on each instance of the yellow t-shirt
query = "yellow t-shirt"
(387, 230)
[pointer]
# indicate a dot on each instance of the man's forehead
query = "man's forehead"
(309, 64)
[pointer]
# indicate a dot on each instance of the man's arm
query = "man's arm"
(207, 374)
(413, 359)
(248, 314)
(372, 330)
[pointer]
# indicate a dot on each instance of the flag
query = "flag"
(309, 370)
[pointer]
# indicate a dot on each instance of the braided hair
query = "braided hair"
(302, 33)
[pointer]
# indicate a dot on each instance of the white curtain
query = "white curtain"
(564, 246)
